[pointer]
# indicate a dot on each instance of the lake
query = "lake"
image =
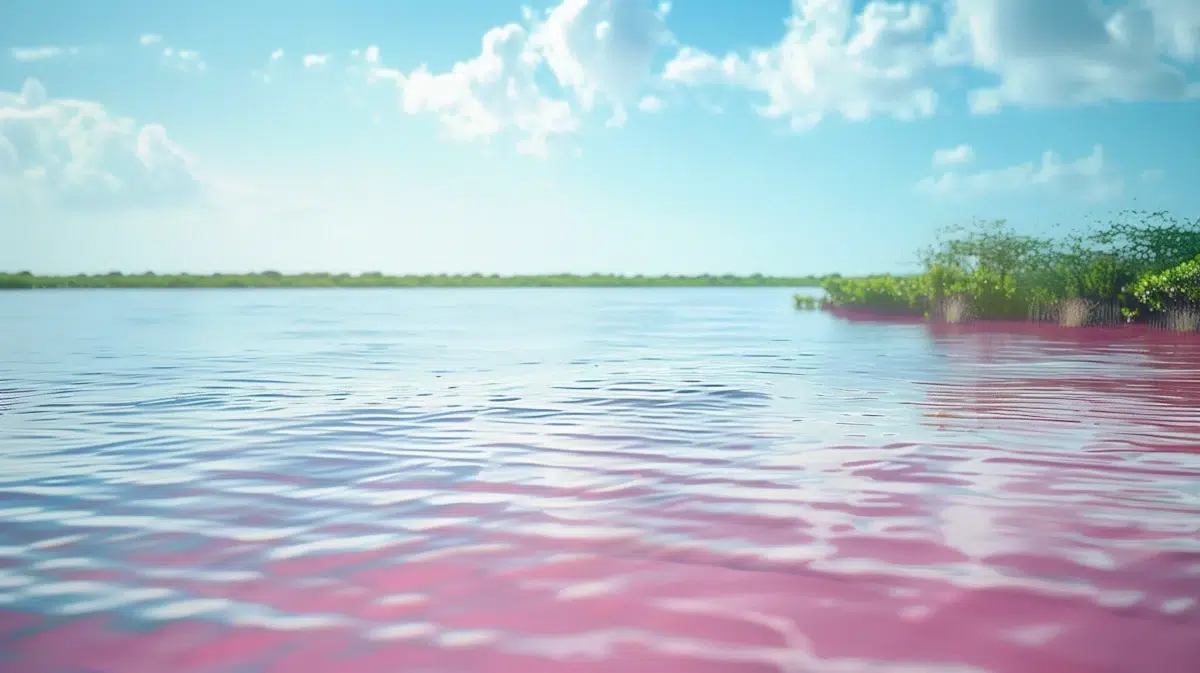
(577, 480)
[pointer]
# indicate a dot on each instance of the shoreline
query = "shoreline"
(273, 280)
(861, 314)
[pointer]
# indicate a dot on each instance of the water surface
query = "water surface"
(537, 481)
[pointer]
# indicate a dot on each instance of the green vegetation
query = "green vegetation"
(1178, 286)
(881, 293)
(1139, 267)
(274, 279)
(806, 302)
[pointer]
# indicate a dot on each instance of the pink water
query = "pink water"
(578, 481)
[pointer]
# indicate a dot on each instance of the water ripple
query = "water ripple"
(586, 481)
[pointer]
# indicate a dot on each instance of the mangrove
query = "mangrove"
(1140, 267)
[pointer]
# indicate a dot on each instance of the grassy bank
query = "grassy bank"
(272, 279)
(1140, 267)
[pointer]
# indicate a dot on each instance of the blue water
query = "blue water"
(292, 461)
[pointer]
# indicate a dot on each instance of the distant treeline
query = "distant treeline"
(1140, 267)
(274, 279)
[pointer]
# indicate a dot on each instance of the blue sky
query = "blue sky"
(774, 136)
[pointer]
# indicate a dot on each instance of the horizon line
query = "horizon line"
(268, 273)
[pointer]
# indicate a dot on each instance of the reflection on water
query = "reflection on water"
(700, 481)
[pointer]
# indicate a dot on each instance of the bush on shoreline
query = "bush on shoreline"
(1141, 267)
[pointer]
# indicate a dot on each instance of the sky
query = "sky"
(627, 136)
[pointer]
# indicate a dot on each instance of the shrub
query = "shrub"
(888, 294)
(1138, 264)
(806, 302)
(1175, 288)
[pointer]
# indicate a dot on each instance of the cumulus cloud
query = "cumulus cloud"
(953, 156)
(30, 54)
(830, 60)
(1071, 52)
(600, 48)
(890, 57)
(544, 75)
(76, 154)
(1088, 177)
(538, 78)
(493, 92)
(149, 39)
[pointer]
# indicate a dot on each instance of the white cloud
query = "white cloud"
(1088, 177)
(30, 54)
(953, 156)
(883, 58)
(693, 66)
(536, 79)
(888, 58)
(651, 104)
(491, 93)
(830, 60)
(1177, 27)
(600, 48)
(72, 153)
(1068, 52)
(149, 39)
(313, 61)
